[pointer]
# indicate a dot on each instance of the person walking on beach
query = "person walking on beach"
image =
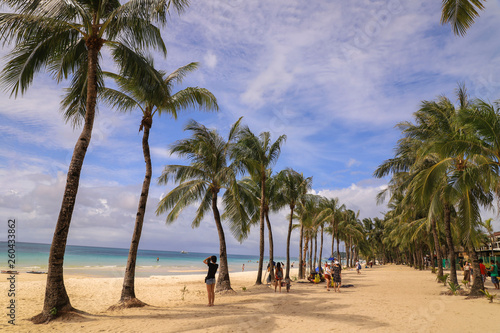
(494, 274)
(278, 276)
(336, 276)
(467, 273)
(328, 275)
(210, 279)
(358, 267)
(482, 269)
(243, 268)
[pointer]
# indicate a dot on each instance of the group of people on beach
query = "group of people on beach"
(333, 275)
(493, 271)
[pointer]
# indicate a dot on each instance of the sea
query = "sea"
(110, 262)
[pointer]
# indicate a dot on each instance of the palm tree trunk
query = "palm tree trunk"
(271, 249)
(128, 289)
(301, 258)
(437, 247)
(320, 248)
(315, 250)
(477, 284)
(56, 296)
(338, 250)
(289, 235)
(449, 240)
(262, 216)
(333, 238)
(223, 282)
(306, 247)
(311, 269)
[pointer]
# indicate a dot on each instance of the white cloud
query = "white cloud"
(210, 60)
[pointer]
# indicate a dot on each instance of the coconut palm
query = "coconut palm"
(461, 14)
(250, 192)
(256, 155)
(293, 187)
(155, 98)
(209, 172)
(490, 231)
(66, 37)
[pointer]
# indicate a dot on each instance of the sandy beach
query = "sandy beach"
(384, 299)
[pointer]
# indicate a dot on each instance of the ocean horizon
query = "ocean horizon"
(110, 262)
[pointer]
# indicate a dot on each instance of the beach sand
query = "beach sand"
(384, 299)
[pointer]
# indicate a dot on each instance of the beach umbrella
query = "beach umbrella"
(331, 258)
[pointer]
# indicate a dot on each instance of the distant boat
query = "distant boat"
(9, 272)
(36, 272)
(184, 252)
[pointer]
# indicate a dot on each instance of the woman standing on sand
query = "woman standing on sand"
(337, 276)
(210, 279)
(278, 275)
(328, 275)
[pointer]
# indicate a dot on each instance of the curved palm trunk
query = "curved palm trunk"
(56, 297)
(289, 235)
(271, 249)
(449, 240)
(477, 284)
(128, 289)
(261, 245)
(301, 258)
(437, 247)
(223, 282)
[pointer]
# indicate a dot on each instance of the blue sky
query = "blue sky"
(334, 76)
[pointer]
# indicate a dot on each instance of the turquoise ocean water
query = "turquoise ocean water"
(110, 262)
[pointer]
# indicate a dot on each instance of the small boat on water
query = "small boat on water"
(36, 272)
(184, 252)
(9, 272)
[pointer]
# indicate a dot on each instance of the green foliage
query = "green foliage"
(244, 288)
(465, 283)
(442, 278)
(433, 270)
(53, 311)
(453, 287)
(489, 296)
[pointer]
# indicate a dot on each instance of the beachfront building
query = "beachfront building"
(490, 250)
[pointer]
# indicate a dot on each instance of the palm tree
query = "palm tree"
(293, 188)
(201, 181)
(66, 37)
(157, 98)
(256, 154)
(461, 14)
(491, 232)
(250, 192)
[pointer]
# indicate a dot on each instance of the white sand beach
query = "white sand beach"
(384, 299)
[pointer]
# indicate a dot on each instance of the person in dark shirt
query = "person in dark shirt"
(210, 279)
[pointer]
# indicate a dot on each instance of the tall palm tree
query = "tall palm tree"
(491, 232)
(156, 98)
(66, 37)
(209, 172)
(293, 187)
(250, 194)
(461, 14)
(256, 155)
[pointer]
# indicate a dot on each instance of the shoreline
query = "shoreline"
(382, 299)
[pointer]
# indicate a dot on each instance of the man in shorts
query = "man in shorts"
(494, 274)
(482, 269)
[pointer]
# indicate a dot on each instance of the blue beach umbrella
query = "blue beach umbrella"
(331, 258)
